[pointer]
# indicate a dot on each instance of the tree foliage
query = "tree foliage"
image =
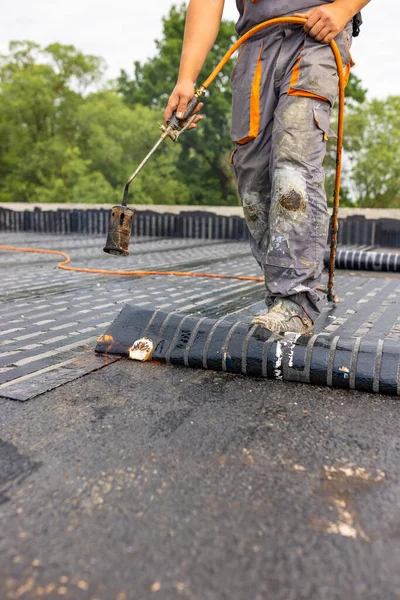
(354, 100)
(62, 141)
(371, 166)
(60, 144)
(204, 163)
(374, 149)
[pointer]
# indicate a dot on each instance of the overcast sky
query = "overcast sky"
(122, 31)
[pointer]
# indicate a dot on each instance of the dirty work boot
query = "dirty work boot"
(285, 316)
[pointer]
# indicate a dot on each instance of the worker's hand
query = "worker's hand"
(179, 99)
(326, 21)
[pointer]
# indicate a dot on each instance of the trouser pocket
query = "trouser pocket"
(246, 89)
(315, 72)
(322, 117)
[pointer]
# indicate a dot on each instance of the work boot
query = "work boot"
(285, 316)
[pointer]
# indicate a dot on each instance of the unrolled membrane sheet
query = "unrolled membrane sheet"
(371, 365)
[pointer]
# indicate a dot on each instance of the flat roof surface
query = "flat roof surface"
(142, 480)
(50, 318)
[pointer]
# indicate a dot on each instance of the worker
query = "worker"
(284, 85)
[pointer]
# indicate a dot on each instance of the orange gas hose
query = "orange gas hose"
(334, 226)
(63, 265)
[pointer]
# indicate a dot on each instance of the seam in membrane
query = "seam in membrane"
(146, 329)
(353, 363)
(331, 360)
(191, 340)
(208, 342)
(307, 358)
(226, 343)
(245, 348)
(265, 351)
(377, 366)
(174, 339)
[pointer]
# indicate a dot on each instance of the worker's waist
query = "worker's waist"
(254, 13)
(282, 30)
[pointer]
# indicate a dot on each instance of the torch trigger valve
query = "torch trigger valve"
(174, 133)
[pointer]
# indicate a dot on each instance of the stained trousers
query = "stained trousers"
(284, 86)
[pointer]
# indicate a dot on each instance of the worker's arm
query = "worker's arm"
(203, 20)
(326, 21)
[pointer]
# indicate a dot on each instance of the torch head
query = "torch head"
(119, 231)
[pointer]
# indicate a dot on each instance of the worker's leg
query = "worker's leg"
(254, 100)
(251, 164)
(299, 217)
(281, 141)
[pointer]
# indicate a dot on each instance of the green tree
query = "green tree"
(38, 162)
(115, 138)
(60, 144)
(356, 94)
(354, 100)
(204, 162)
(374, 150)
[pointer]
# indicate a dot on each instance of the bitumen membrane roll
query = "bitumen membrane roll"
(238, 347)
(361, 260)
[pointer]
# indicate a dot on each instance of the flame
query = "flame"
(107, 339)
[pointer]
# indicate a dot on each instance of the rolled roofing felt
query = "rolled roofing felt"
(360, 260)
(238, 347)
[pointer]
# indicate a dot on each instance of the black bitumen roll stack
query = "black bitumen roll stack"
(237, 347)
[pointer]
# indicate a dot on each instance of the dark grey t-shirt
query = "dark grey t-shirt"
(253, 13)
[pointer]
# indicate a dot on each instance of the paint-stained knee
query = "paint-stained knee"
(292, 200)
(290, 192)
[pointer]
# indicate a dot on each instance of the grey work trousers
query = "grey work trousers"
(284, 86)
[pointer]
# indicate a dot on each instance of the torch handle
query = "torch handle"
(175, 122)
